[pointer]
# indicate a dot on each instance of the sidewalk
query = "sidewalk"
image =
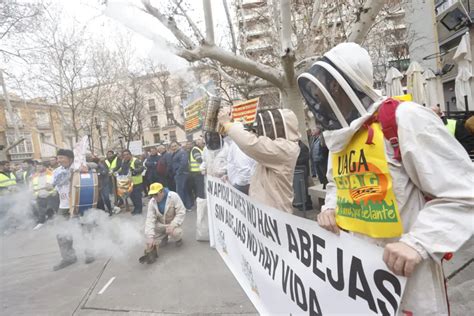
(191, 280)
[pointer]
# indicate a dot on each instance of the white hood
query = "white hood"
(354, 61)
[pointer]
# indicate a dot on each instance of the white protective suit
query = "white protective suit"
(214, 162)
(272, 181)
(433, 164)
(240, 167)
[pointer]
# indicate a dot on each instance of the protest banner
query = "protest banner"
(194, 115)
(245, 111)
(136, 147)
(195, 106)
(288, 265)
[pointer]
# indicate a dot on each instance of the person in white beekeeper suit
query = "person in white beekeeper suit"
(380, 198)
(214, 157)
(275, 149)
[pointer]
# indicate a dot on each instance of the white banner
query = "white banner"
(136, 147)
(289, 265)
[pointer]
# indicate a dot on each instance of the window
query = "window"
(173, 136)
(154, 121)
(23, 150)
(156, 138)
(151, 105)
(42, 119)
(46, 149)
(168, 101)
(15, 119)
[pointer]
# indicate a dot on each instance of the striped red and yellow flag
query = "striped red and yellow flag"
(245, 111)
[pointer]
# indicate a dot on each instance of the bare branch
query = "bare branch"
(169, 23)
(285, 12)
(365, 17)
(238, 62)
(231, 27)
(193, 25)
(209, 21)
(316, 21)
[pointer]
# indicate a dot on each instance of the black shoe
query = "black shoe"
(64, 263)
(179, 243)
(152, 256)
(142, 259)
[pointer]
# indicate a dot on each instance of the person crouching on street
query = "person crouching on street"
(164, 219)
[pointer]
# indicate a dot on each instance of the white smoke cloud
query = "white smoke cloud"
(102, 235)
(16, 212)
(143, 24)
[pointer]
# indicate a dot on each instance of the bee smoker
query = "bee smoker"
(212, 112)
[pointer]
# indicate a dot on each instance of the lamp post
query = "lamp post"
(121, 142)
(97, 125)
(91, 146)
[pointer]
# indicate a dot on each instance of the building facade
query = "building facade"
(38, 122)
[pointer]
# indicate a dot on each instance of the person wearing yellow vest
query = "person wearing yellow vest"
(458, 129)
(195, 175)
(113, 161)
(380, 198)
(134, 167)
(41, 185)
(7, 178)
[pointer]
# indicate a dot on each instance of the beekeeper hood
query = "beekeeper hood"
(338, 88)
(214, 140)
(278, 123)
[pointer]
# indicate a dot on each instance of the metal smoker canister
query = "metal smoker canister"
(213, 106)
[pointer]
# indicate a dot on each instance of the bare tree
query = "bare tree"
(63, 73)
(127, 107)
(17, 18)
(158, 82)
(197, 45)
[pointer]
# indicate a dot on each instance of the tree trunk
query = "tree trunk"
(364, 20)
(290, 98)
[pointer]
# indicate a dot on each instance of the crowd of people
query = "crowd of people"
(408, 158)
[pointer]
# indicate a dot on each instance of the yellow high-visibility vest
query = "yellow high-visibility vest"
(193, 164)
(451, 126)
(6, 181)
(138, 178)
(111, 165)
(34, 182)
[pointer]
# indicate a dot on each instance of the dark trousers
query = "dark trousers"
(145, 185)
(44, 208)
(197, 180)
(171, 183)
(182, 189)
(104, 199)
(136, 197)
(321, 170)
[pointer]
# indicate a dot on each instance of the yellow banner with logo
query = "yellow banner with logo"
(365, 200)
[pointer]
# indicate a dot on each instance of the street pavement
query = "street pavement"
(189, 280)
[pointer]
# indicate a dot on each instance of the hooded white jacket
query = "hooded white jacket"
(240, 167)
(214, 162)
(272, 181)
(433, 164)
